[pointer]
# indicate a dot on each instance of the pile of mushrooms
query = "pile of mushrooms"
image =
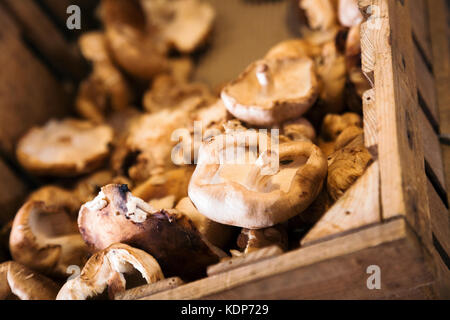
(130, 192)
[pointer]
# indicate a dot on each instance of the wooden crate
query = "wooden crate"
(396, 215)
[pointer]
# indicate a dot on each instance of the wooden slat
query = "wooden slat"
(438, 15)
(426, 87)
(358, 207)
(431, 148)
(149, 289)
(370, 120)
(334, 269)
(46, 37)
(421, 27)
(400, 149)
(29, 94)
(12, 196)
(440, 218)
(238, 262)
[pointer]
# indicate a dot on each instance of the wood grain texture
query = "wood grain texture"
(440, 218)
(400, 148)
(370, 120)
(421, 27)
(358, 207)
(29, 94)
(238, 262)
(149, 289)
(431, 148)
(334, 269)
(426, 86)
(48, 39)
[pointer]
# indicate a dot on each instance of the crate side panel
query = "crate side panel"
(29, 94)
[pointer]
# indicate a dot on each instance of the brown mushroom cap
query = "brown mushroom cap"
(168, 235)
(64, 148)
(272, 91)
(104, 90)
(348, 13)
(185, 24)
(244, 194)
(18, 281)
(334, 124)
(55, 196)
(298, 130)
(93, 46)
(293, 48)
(106, 269)
(46, 239)
(347, 164)
(168, 93)
(134, 44)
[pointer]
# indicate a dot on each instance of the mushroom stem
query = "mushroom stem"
(263, 75)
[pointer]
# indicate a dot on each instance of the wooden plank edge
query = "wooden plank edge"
(238, 262)
(370, 237)
(149, 289)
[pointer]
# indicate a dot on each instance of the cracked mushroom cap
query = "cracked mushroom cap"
(64, 148)
(185, 24)
(115, 215)
(272, 91)
(256, 191)
(46, 239)
(348, 13)
(135, 45)
(106, 270)
(17, 281)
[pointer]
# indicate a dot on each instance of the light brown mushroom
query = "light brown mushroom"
(272, 91)
(347, 164)
(320, 14)
(115, 215)
(299, 130)
(135, 44)
(19, 282)
(64, 148)
(331, 70)
(218, 234)
(255, 190)
(106, 88)
(171, 182)
(293, 48)
(168, 93)
(252, 240)
(185, 24)
(149, 143)
(107, 269)
(46, 239)
(56, 196)
(332, 126)
(348, 13)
